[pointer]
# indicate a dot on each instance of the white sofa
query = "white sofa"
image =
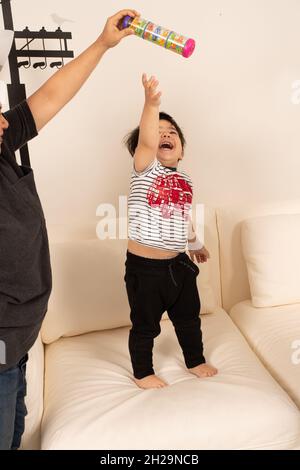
(261, 244)
(80, 389)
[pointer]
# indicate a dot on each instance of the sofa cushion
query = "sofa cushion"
(91, 401)
(234, 277)
(272, 252)
(89, 291)
(274, 335)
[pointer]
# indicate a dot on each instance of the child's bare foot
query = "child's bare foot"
(204, 370)
(151, 381)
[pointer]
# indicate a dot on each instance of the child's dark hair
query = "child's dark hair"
(131, 140)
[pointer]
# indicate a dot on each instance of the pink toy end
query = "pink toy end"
(188, 48)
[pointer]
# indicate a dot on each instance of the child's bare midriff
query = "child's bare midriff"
(150, 252)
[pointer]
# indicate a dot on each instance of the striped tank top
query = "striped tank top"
(159, 205)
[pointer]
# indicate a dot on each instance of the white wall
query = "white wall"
(232, 98)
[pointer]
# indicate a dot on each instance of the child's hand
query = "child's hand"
(111, 34)
(200, 255)
(152, 97)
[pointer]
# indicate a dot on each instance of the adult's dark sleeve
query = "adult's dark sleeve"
(22, 127)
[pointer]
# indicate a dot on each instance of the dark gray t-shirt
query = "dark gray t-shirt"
(25, 273)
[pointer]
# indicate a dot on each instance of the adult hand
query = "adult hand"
(111, 34)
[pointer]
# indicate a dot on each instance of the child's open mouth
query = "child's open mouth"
(166, 146)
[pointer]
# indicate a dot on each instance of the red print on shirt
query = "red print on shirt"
(170, 192)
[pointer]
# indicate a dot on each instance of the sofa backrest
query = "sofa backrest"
(89, 291)
(234, 277)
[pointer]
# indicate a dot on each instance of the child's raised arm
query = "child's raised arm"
(149, 126)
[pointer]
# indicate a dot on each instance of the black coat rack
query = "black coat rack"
(22, 58)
